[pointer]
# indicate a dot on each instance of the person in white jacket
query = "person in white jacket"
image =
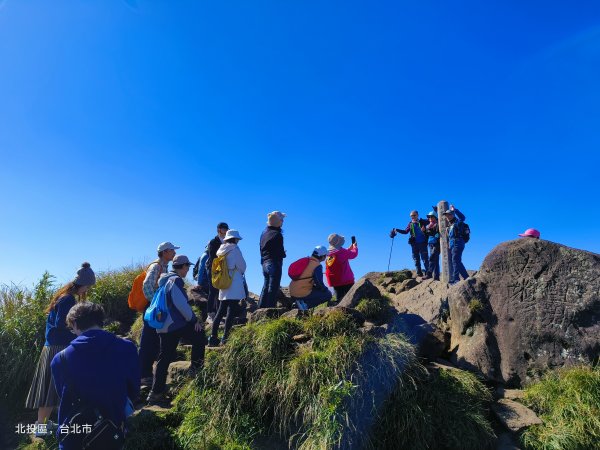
(229, 299)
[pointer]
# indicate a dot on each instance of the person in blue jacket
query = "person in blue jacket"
(417, 240)
(456, 240)
(433, 241)
(98, 368)
(42, 394)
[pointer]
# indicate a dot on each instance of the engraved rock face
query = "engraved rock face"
(533, 305)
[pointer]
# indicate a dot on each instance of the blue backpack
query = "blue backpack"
(157, 312)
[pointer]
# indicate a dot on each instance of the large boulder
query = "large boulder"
(533, 305)
(363, 288)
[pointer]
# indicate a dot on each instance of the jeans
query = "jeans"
(458, 268)
(341, 291)
(232, 307)
(315, 298)
(434, 261)
(419, 251)
(272, 273)
(149, 346)
(213, 294)
(168, 349)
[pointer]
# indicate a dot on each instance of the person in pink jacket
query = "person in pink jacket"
(338, 271)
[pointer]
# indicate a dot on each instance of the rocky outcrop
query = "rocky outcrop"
(533, 305)
(363, 288)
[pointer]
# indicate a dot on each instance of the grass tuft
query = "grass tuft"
(568, 401)
(375, 310)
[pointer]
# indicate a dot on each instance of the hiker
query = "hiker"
(530, 233)
(100, 370)
(271, 259)
(181, 322)
(338, 271)
(42, 394)
(308, 290)
(456, 239)
(417, 240)
(212, 248)
(149, 341)
(432, 231)
(229, 299)
(200, 273)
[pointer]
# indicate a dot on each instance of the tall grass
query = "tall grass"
(568, 402)
(264, 383)
(22, 326)
(111, 291)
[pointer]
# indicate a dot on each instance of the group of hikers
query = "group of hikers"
(93, 376)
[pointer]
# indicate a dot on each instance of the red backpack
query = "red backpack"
(297, 267)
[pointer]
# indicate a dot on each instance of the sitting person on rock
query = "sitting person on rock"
(530, 233)
(309, 290)
(417, 240)
(181, 322)
(229, 299)
(433, 241)
(337, 266)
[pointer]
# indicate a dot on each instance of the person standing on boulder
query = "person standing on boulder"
(212, 248)
(308, 290)
(456, 240)
(149, 341)
(229, 299)
(417, 240)
(271, 259)
(338, 271)
(433, 241)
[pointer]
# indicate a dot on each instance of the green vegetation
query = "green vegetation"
(445, 411)
(22, 327)
(397, 276)
(111, 291)
(375, 310)
(568, 401)
(475, 306)
(263, 383)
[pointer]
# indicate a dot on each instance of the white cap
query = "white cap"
(320, 250)
(166, 246)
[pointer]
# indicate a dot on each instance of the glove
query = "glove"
(393, 233)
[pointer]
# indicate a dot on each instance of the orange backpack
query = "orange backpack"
(137, 300)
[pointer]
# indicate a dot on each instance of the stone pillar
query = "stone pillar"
(445, 250)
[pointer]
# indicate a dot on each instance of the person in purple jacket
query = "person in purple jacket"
(42, 394)
(98, 371)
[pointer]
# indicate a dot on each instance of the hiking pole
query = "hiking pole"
(391, 248)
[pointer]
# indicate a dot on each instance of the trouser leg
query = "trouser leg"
(168, 347)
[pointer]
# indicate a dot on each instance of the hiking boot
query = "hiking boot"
(157, 397)
(427, 276)
(419, 273)
(213, 341)
(146, 381)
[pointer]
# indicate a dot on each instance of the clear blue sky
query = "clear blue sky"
(128, 123)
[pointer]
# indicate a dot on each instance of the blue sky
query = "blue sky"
(128, 123)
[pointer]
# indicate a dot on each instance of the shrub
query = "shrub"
(374, 310)
(135, 332)
(475, 306)
(111, 291)
(568, 402)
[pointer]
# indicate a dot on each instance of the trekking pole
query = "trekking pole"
(390, 259)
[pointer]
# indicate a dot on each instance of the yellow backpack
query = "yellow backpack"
(220, 277)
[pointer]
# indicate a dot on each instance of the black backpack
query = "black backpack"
(92, 430)
(463, 231)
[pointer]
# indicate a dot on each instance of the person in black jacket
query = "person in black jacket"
(271, 258)
(212, 248)
(417, 240)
